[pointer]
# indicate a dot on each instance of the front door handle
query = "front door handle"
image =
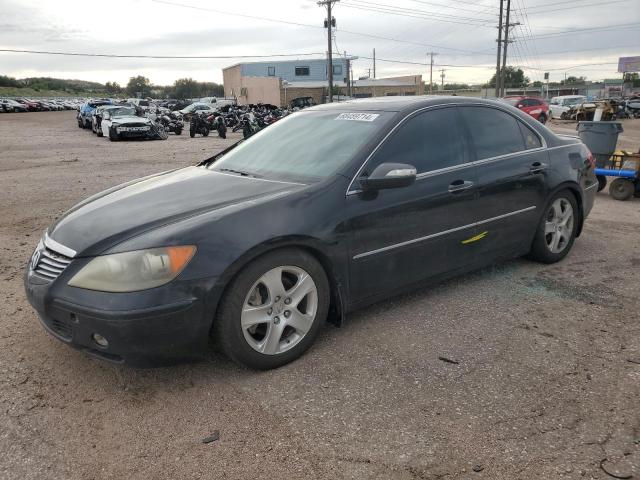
(538, 167)
(460, 185)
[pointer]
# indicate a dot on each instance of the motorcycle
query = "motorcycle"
(198, 125)
(216, 122)
(172, 122)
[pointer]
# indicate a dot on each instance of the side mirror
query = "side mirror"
(519, 105)
(389, 175)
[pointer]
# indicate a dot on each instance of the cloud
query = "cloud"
(463, 37)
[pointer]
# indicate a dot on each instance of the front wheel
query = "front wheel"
(192, 131)
(557, 229)
(273, 310)
(205, 132)
(542, 118)
(178, 131)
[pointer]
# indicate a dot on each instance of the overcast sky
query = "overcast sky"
(461, 32)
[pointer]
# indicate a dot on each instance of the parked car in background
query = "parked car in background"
(217, 102)
(559, 106)
(302, 102)
(121, 122)
(30, 104)
(196, 107)
(85, 113)
(9, 105)
(536, 107)
(96, 118)
(410, 190)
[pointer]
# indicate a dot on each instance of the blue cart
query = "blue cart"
(625, 167)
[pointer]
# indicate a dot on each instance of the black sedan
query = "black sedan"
(327, 210)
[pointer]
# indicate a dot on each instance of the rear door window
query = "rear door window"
(493, 132)
(429, 141)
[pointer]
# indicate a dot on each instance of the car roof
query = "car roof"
(401, 104)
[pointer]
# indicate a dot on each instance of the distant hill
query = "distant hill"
(52, 84)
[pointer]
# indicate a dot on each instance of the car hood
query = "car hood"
(129, 119)
(110, 217)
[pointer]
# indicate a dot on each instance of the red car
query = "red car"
(537, 108)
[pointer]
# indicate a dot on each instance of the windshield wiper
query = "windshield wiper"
(239, 172)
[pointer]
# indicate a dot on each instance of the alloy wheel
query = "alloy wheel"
(279, 310)
(558, 227)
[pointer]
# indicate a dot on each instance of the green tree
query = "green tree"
(139, 85)
(456, 86)
(512, 78)
(8, 81)
(537, 84)
(113, 87)
(571, 80)
(186, 88)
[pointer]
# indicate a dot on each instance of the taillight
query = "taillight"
(591, 159)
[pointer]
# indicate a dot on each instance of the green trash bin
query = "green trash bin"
(601, 138)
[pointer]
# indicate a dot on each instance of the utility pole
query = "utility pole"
(498, 69)
(431, 54)
(374, 63)
(330, 22)
(507, 26)
(442, 76)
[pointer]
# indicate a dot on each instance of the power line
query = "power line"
(431, 17)
(423, 12)
(573, 7)
(456, 7)
(297, 24)
(192, 57)
(580, 31)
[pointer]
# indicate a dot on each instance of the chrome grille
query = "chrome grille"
(51, 264)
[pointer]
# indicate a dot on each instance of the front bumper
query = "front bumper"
(159, 326)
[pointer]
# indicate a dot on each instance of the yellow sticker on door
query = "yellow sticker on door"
(475, 238)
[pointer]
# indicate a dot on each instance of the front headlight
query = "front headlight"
(132, 271)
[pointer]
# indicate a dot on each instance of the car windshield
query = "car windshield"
(143, 103)
(122, 111)
(305, 146)
(573, 101)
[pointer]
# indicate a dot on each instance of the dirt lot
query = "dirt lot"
(547, 383)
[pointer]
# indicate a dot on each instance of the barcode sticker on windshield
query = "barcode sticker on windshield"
(358, 117)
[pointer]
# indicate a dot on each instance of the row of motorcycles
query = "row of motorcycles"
(249, 119)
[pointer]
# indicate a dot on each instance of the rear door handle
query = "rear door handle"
(460, 185)
(538, 167)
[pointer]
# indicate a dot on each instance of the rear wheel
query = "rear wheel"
(192, 131)
(542, 118)
(621, 189)
(273, 310)
(205, 132)
(557, 229)
(602, 182)
(178, 131)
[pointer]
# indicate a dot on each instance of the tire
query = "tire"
(542, 118)
(622, 189)
(205, 132)
(112, 136)
(602, 182)
(178, 131)
(192, 131)
(247, 345)
(542, 248)
(99, 132)
(564, 116)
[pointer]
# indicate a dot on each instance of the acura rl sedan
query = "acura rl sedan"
(327, 210)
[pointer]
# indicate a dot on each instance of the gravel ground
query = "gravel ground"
(546, 383)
